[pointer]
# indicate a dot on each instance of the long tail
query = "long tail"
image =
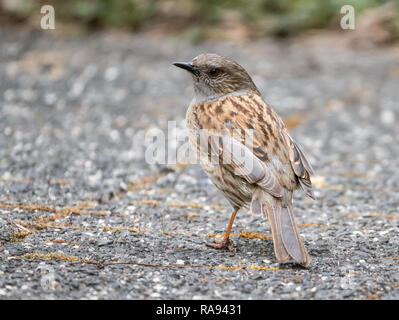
(287, 240)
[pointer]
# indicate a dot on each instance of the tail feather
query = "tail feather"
(291, 237)
(287, 240)
(280, 250)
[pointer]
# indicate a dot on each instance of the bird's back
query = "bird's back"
(247, 118)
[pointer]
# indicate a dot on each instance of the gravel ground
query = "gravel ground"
(84, 216)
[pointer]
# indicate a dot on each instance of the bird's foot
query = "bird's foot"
(224, 244)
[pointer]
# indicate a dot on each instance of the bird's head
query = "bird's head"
(215, 76)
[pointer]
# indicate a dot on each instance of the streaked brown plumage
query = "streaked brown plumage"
(263, 171)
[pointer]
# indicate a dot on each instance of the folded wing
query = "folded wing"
(239, 159)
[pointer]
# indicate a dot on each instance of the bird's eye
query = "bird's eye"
(214, 72)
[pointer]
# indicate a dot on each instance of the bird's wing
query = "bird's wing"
(225, 125)
(301, 166)
(234, 117)
(274, 139)
(240, 160)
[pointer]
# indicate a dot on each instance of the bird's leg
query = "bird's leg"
(226, 243)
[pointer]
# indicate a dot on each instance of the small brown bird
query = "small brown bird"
(262, 172)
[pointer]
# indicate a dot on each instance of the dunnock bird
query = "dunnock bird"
(261, 173)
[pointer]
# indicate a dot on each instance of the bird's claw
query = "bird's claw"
(224, 244)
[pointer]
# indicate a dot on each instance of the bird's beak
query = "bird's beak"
(186, 66)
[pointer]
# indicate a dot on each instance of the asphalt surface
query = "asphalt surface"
(84, 216)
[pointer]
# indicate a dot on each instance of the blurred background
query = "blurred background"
(207, 19)
(77, 102)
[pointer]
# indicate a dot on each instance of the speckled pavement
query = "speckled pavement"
(84, 216)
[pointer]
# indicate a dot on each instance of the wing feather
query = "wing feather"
(239, 159)
(301, 166)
